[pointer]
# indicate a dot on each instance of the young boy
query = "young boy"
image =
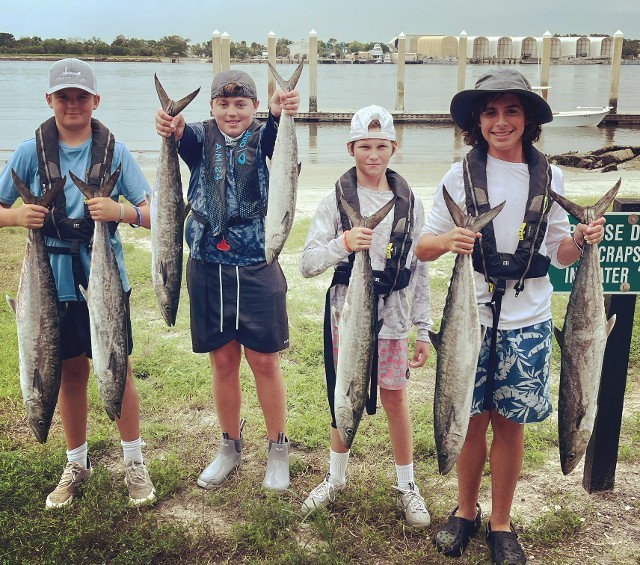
(236, 298)
(501, 119)
(71, 141)
(330, 243)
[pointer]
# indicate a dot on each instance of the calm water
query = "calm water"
(129, 103)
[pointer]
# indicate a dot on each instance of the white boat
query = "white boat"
(581, 116)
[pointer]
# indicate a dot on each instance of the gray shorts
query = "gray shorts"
(246, 304)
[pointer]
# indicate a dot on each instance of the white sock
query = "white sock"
(338, 467)
(405, 475)
(132, 450)
(78, 455)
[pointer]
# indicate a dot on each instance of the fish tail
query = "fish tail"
(104, 190)
(460, 219)
(287, 85)
(370, 221)
(600, 207)
(170, 106)
(23, 191)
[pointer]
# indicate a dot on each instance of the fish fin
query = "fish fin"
(483, 331)
(577, 211)
(48, 198)
(478, 222)
(84, 292)
(435, 339)
(26, 195)
(105, 190)
(83, 186)
(287, 85)
(163, 272)
(268, 161)
(457, 215)
(11, 302)
(610, 323)
(559, 333)
(379, 326)
(187, 209)
(600, 207)
(37, 381)
(299, 167)
(169, 106)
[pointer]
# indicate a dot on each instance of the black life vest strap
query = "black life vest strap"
(57, 223)
(395, 275)
(492, 364)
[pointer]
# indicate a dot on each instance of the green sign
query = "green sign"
(619, 257)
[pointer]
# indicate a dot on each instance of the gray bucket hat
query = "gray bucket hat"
(246, 85)
(496, 81)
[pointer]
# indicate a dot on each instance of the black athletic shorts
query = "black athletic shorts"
(246, 303)
(75, 331)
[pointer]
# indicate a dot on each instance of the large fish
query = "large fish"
(283, 177)
(582, 342)
(357, 330)
(38, 323)
(458, 345)
(167, 217)
(106, 303)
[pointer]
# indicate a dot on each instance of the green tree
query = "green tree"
(174, 44)
(282, 49)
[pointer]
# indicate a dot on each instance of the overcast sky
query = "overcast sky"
(345, 20)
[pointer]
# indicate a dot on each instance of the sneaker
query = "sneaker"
(72, 477)
(411, 504)
(322, 495)
(141, 489)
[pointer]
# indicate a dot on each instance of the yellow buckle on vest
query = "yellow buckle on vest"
(521, 231)
(389, 250)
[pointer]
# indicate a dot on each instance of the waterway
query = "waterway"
(129, 102)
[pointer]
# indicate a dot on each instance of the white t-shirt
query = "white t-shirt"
(507, 182)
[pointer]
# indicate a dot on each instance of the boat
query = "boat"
(581, 116)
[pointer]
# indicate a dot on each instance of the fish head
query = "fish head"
(39, 417)
(346, 423)
(572, 448)
(169, 312)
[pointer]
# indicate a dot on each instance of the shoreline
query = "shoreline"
(317, 180)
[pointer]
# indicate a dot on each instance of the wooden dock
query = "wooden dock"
(432, 118)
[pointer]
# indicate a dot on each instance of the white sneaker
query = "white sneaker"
(322, 495)
(139, 485)
(411, 504)
(72, 477)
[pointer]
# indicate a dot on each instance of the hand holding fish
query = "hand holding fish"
(103, 209)
(287, 101)
(358, 238)
(420, 354)
(591, 233)
(30, 216)
(167, 125)
(460, 240)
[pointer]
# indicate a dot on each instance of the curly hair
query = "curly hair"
(473, 135)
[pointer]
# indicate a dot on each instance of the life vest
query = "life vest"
(395, 274)
(57, 224)
(245, 173)
(497, 267)
(526, 262)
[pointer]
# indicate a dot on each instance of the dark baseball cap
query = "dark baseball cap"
(497, 81)
(244, 84)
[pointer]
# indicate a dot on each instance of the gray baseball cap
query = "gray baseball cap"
(72, 73)
(497, 81)
(244, 84)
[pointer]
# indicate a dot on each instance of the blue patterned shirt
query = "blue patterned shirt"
(245, 239)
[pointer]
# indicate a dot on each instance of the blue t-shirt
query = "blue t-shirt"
(132, 185)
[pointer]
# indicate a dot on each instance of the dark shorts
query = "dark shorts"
(246, 304)
(75, 331)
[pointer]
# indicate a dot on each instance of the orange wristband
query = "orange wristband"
(344, 241)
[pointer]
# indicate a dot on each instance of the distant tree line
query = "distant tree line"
(171, 45)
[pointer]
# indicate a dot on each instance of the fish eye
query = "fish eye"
(571, 456)
(349, 431)
(444, 456)
(41, 424)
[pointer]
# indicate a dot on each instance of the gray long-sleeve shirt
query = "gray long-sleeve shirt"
(324, 248)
